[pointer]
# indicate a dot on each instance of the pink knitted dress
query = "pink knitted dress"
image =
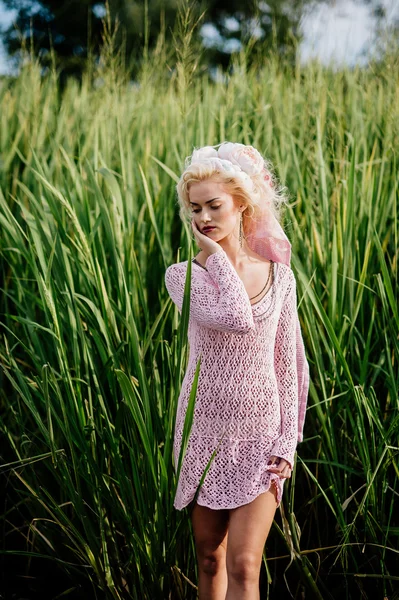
(252, 385)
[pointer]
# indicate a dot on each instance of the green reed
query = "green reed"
(93, 352)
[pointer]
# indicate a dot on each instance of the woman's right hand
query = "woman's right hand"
(203, 241)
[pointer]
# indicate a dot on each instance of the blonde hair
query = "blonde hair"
(263, 191)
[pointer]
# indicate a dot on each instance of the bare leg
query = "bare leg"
(210, 534)
(249, 527)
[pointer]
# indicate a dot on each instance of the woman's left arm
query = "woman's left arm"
(285, 364)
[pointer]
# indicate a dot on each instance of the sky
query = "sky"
(344, 32)
(338, 31)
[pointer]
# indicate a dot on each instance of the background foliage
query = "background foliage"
(92, 351)
(65, 34)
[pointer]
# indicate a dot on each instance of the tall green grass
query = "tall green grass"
(93, 351)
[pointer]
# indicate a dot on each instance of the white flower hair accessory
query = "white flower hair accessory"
(210, 155)
(246, 159)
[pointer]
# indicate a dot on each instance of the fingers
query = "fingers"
(286, 472)
(194, 227)
(279, 466)
(197, 233)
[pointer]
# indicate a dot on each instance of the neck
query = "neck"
(235, 253)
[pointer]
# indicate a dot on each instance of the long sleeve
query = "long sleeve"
(222, 303)
(285, 364)
(303, 379)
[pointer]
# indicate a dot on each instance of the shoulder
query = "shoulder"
(285, 271)
(286, 279)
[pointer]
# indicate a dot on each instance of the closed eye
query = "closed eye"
(212, 207)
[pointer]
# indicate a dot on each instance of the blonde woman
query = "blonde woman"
(254, 376)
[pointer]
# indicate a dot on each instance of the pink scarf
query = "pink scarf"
(267, 238)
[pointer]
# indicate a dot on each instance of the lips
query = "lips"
(207, 229)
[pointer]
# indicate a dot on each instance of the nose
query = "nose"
(205, 218)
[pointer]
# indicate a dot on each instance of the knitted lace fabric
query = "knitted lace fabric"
(248, 386)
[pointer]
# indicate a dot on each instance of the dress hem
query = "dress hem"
(262, 491)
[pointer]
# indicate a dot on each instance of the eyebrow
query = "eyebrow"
(207, 202)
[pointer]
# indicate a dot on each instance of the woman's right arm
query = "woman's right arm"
(224, 305)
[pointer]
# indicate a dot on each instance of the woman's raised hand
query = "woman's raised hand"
(204, 242)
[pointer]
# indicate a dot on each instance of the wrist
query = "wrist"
(216, 251)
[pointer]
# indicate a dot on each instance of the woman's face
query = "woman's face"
(212, 206)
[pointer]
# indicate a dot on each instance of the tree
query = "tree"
(73, 28)
(63, 26)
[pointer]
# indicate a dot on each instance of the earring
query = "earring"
(240, 234)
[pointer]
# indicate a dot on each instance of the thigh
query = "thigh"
(249, 527)
(210, 529)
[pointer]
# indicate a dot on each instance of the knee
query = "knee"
(244, 568)
(212, 562)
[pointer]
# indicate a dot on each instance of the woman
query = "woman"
(254, 376)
